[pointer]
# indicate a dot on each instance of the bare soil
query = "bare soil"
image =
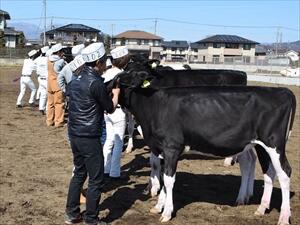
(36, 165)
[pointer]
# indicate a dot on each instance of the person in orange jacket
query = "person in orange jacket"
(55, 105)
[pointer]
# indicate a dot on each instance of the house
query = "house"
(139, 42)
(9, 36)
(226, 48)
(73, 34)
(175, 50)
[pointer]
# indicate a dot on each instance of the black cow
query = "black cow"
(219, 120)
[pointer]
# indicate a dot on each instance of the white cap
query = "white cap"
(76, 50)
(44, 49)
(49, 52)
(119, 52)
(32, 53)
(108, 62)
(76, 63)
(56, 48)
(93, 52)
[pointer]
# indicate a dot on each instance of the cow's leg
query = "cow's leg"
(230, 161)
(139, 128)
(160, 202)
(252, 158)
(269, 175)
(155, 174)
(130, 129)
(168, 206)
(280, 161)
(247, 168)
(171, 157)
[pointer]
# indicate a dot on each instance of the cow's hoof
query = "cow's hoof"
(259, 213)
(164, 219)
(155, 210)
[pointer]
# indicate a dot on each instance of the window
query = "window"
(195, 49)
(231, 45)
(146, 42)
(247, 46)
(216, 45)
(174, 49)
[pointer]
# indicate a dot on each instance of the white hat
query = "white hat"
(56, 48)
(76, 63)
(93, 52)
(76, 50)
(119, 52)
(49, 52)
(32, 53)
(44, 49)
(108, 62)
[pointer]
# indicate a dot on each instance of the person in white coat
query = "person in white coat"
(26, 81)
(42, 72)
(115, 122)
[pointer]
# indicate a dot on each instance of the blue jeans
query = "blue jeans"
(88, 161)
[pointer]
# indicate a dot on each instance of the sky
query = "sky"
(264, 21)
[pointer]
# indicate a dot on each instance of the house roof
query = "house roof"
(137, 34)
(73, 28)
(11, 31)
(196, 46)
(6, 14)
(175, 44)
(222, 38)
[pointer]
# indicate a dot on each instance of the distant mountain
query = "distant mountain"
(31, 31)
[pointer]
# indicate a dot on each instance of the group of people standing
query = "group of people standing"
(83, 82)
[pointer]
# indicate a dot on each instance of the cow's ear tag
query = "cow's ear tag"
(145, 84)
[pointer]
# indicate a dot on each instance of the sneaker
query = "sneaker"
(42, 112)
(19, 106)
(73, 220)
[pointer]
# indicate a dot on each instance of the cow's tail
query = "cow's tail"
(292, 114)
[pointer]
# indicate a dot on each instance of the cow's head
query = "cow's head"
(132, 80)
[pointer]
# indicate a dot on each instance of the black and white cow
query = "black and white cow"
(166, 77)
(233, 119)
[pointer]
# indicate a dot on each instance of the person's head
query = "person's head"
(120, 56)
(94, 56)
(76, 50)
(44, 50)
(57, 49)
(32, 54)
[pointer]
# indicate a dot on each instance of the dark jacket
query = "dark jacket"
(88, 99)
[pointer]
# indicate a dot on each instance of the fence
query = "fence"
(16, 53)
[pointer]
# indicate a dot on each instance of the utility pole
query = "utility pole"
(112, 34)
(277, 40)
(155, 25)
(45, 22)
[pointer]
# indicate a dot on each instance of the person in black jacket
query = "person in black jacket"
(88, 100)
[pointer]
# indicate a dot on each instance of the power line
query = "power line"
(165, 20)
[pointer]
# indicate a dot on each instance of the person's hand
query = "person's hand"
(116, 91)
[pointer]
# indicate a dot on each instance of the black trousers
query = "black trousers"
(88, 161)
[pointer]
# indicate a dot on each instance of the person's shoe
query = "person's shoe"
(98, 223)
(33, 105)
(42, 112)
(19, 106)
(73, 220)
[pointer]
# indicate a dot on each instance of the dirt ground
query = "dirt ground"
(36, 165)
